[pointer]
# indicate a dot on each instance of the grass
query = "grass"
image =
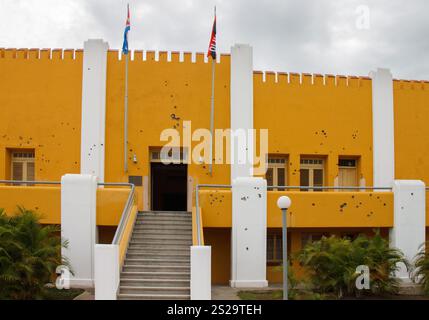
(304, 295)
(56, 294)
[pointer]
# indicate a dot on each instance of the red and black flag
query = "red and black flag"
(212, 45)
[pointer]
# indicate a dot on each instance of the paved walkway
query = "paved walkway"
(228, 293)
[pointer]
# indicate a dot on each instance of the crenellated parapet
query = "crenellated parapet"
(41, 54)
(137, 56)
(410, 84)
(307, 79)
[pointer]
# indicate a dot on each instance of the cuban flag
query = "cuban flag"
(212, 45)
(127, 28)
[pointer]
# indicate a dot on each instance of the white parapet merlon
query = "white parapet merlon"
(241, 111)
(408, 232)
(78, 225)
(201, 275)
(249, 233)
(93, 108)
(383, 135)
(106, 271)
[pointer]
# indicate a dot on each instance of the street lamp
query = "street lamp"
(284, 203)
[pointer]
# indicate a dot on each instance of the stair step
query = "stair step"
(155, 282)
(166, 226)
(157, 262)
(159, 247)
(161, 236)
(154, 290)
(157, 255)
(166, 242)
(165, 214)
(150, 231)
(153, 297)
(163, 223)
(156, 275)
(155, 268)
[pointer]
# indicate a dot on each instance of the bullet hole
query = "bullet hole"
(245, 229)
(343, 205)
(247, 248)
(20, 138)
(353, 197)
(174, 117)
(402, 208)
(412, 193)
(313, 204)
(259, 195)
(384, 204)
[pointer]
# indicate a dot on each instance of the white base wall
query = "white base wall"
(408, 233)
(106, 271)
(249, 233)
(201, 281)
(78, 225)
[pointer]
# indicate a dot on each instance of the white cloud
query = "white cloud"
(302, 36)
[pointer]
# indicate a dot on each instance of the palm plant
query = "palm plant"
(420, 274)
(382, 261)
(331, 264)
(29, 255)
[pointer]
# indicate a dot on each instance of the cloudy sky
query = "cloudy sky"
(348, 37)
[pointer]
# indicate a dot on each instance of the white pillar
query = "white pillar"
(78, 225)
(241, 109)
(93, 108)
(249, 233)
(383, 135)
(201, 281)
(106, 271)
(408, 232)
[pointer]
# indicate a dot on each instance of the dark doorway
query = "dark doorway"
(169, 187)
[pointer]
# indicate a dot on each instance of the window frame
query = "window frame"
(281, 164)
(25, 157)
(308, 163)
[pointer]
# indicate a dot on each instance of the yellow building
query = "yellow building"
(62, 112)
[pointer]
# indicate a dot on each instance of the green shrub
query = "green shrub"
(29, 255)
(420, 274)
(331, 264)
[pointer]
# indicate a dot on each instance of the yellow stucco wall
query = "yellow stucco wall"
(411, 105)
(316, 119)
(47, 202)
(40, 107)
(162, 95)
(309, 209)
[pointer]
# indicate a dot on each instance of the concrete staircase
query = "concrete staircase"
(157, 264)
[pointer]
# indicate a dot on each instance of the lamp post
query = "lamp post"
(284, 203)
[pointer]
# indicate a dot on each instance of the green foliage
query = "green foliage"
(331, 264)
(29, 255)
(420, 274)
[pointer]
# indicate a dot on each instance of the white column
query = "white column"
(249, 233)
(201, 281)
(241, 109)
(383, 135)
(93, 108)
(106, 271)
(408, 232)
(78, 225)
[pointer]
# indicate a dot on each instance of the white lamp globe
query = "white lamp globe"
(284, 202)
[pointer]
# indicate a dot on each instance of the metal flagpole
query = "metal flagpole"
(126, 116)
(212, 117)
(212, 108)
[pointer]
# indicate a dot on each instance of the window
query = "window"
(276, 172)
(22, 165)
(174, 155)
(312, 173)
(347, 172)
(274, 247)
(311, 237)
